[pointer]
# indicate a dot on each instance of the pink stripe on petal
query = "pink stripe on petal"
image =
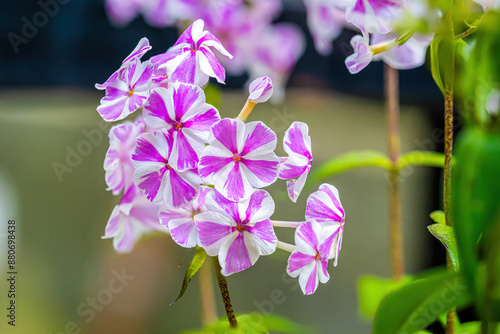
(264, 170)
(306, 233)
(237, 258)
(298, 261)
(183, 156)
(260, 136)
(151, 183)
(210, 232)
(226, 132)
(210, 165)
(234, 184)
(264, 231)
(295, 139)
(186, 71)
(202, 121)
(312, 281)
(184, 97)
(210, 65)
(181, 190)
(146, 151)
(183, 234)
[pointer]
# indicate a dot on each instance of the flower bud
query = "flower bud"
(260, 90)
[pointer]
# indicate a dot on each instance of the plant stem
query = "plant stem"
(225, 293)
(396, 228)
(208, 308)
(449, 80)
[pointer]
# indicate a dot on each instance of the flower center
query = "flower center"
(317, 256)
(177, 126)
(168, 166)
(241, 227)
(131, 93)
(236, 157)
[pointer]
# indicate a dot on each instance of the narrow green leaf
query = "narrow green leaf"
(438, 217)
(348, 161)
(404, 36)
(419, 303)
(193, 267)
(434, 52)
(371, 291)
(421, 158)
(446, 235)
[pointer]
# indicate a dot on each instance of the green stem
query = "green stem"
(221, 280)
(396, 226)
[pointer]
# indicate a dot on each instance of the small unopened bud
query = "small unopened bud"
(260, 90)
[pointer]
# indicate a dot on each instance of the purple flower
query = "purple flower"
(121, 12)
(128, 92)
(324, 207)
(117, 164)
(191, 59)
(156, 178)
(362, 55)
(374, 16)
(240, 156)
(182, 112)
(407, 56)
(260, 90)
(325, 21)
(238, 232)
(296, 167)
(310, 258)
(141, 48)
(132, 218)
(180, 221)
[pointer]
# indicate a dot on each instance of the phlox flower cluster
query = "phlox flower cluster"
(245, 27)
(181, 169)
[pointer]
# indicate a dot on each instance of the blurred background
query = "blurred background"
(48, 104)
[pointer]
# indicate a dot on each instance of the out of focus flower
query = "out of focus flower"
(297, 165)
(362, 55)
(117, 164)
(156, 178)
(407, 56)
(374, 16)
(324, 207)
(239, 157)
(181, 111)
(493, 102)
(121, 12)
(180, 221)
(310, 258)
(132, 218)
(191, 59)
(239, 233)
(488, 4)
(128, 92)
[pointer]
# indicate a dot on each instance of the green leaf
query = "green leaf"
(446, 235)
(419, 303)
(434, 52)
(371, 291)
(438, 217)
(193, 267)
(421, 158)
(255, 323)
(404, 36)
(349, 161)
(464, 49)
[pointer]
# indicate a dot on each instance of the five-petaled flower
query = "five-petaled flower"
(180, 221)
(324, 207)
(374, 16)
(297, 165)
(362, 55)
(191, 59)
(239, 157)
(310, 258)
(238, 232)
(156, 178)
(182, 112)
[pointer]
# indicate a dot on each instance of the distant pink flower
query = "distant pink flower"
(191, 59)
(310, 258)
(239, 233)
(407, 56)
(296, 167)
(156, 178)
(141, 48)
(260, 90)
(362, 55)
(239, 157)
(374, 16)
(324, 207)
(121, 12)
(180, 221)
(117, 164)
(132, 218)
(181, 111)
(128, 92)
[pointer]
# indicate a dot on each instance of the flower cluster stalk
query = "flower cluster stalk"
(221, 280)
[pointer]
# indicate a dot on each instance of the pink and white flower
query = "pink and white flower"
(117, 164)
(407, 56)
(156, 178)
(296, 167)
(191, 59)
(324, 207)
(374, 16)
(132, 218)
(182, 112)
(239, 157)
(260, 89)
(238, 232)
(128, 92)
(180, 221)
(362, 55)
(310, 258)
